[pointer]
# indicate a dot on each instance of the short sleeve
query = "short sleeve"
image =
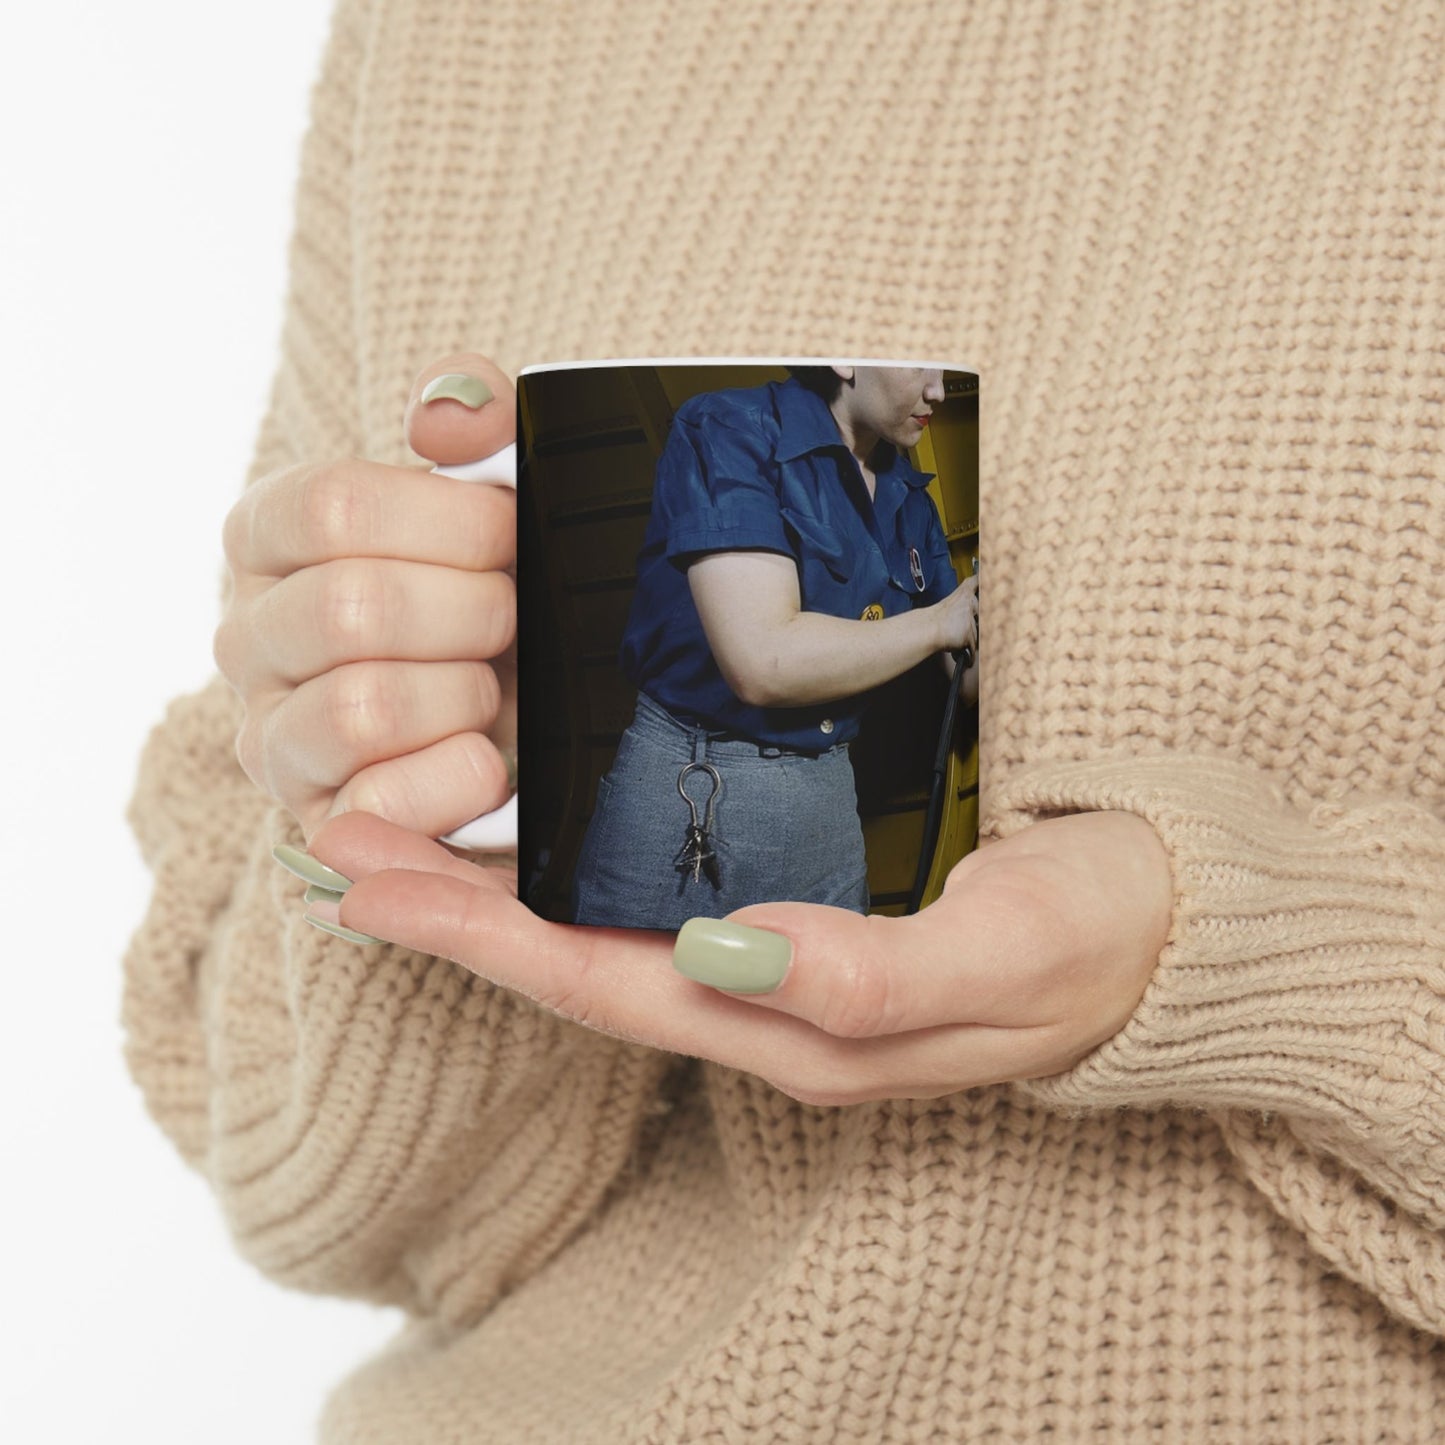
(714, 490)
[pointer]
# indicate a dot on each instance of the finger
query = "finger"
(850, 975)
(885, 992)
(352, 508)
(858, 977)
(366, 608)
(330, 728)
(412, 891)
(616, 981)
(358, 845)
(461, 408)
(434, 789)
(922, 1064)
(619, 981)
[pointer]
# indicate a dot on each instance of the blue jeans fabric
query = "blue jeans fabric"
(785, 828)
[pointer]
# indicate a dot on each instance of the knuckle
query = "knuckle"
(489, 692)
(225, 647)
(571, 1003)
(862, 997)
(491, 528)
(501, 615)
(236, 532)
(352, 606)
(250, 751)
(857, 1006)
(360, 711)
(473, 769)
(1032, 896)
(1041, 938)
(581, 996)
(332, 507)
(265, 742)
(573, 996)
(245, 522)
(385, 791)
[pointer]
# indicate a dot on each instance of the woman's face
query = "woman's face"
(893, 402)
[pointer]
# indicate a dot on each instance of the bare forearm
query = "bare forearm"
(814, 658)
(774, 653)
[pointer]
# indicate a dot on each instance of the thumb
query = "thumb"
(849, 974)
(461, 409)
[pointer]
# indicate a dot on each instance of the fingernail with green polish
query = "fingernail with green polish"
(731, 956)
(316, 894)
(305, 867)
(471, 391)
(349, 934)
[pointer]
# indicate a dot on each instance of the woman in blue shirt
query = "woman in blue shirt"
(793, 562)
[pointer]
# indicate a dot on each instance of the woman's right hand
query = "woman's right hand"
(371, 621)
(958, 617)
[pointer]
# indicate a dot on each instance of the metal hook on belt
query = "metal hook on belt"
(716, 777)
(697, 856)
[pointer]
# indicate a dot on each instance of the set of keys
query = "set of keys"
(697, 855)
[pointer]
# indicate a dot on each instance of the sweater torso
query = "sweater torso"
(1195, 253)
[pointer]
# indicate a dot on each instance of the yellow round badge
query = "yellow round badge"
(873, 612)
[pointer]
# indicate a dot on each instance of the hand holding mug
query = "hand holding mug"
(371, 625)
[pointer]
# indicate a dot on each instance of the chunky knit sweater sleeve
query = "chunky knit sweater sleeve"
(374, 1122)
(1300, 999)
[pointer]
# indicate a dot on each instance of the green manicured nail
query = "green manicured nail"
(731, 956)
(305, 867)
(349, 934)
(471, 391)
(316, 894)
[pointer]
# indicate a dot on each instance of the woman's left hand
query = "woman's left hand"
(1038, 950)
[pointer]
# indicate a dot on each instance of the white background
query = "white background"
(147, 160)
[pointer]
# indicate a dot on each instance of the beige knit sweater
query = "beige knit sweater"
(1198, 252)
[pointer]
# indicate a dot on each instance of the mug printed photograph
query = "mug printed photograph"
(748, 602)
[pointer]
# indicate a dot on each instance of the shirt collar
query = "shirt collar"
(806, 425)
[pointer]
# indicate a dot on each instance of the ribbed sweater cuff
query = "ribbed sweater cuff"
(1306, 957)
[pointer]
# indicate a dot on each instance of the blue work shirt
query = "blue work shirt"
(766, 468)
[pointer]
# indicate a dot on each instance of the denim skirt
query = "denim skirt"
(785, 828)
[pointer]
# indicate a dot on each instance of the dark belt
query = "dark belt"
(765, 750)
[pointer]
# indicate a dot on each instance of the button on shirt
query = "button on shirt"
(766, 469)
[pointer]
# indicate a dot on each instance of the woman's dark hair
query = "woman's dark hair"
(820, 379)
